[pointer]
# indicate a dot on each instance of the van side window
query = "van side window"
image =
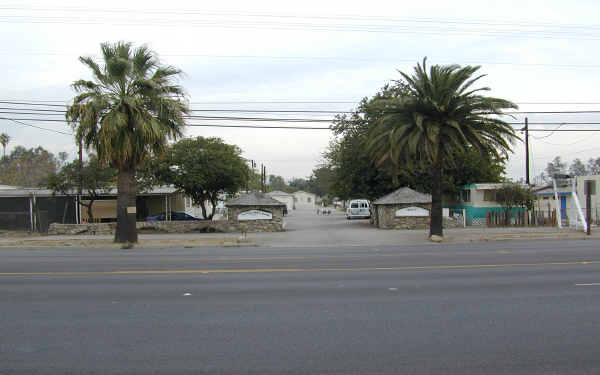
(354, 205)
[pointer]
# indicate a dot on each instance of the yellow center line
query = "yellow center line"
(273, 270)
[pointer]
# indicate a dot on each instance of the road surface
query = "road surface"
(488, 308)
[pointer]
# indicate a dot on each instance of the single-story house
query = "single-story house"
(476, 200)
(25, 208)
(304, 199)
(283, 197)
(546, 201)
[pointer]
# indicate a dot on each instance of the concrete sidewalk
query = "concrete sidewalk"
(306, 229)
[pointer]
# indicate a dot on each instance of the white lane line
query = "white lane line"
(589, 284)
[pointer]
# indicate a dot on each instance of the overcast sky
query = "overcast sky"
(312, 55)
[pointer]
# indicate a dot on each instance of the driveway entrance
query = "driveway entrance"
(305, 228)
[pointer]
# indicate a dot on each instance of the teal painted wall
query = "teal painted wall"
(472, 212)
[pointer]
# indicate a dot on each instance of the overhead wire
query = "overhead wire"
(33, 126)
(31, 103)
(524, 30)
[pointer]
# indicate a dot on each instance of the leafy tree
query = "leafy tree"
(356, 175)
(298, 183)
(62, 159)
(577, 168)
(4, 139)
(320, 181)
(126, 114)
(94, 177)
(440, 115)
(512, 195)
(556, 166)
(26, 167)
(277, 183)
(204, 168)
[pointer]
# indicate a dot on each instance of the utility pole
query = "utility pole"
(589, 188)
(526, 128)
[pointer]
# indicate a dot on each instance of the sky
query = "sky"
(304, 56)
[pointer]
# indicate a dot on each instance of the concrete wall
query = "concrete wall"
(231, 225)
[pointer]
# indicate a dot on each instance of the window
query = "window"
(354, 205)
(465, 195)
(489, 195)
(308, 200)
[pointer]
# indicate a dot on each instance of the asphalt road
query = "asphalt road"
(488, 308)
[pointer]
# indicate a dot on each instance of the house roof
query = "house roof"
(404, 195)
(278, 193)
(12, 191)
(253, 199)
(303, 192)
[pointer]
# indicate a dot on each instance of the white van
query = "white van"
(358, 209)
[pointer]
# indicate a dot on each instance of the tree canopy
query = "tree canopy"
(438, 115)
(356, 175)
(203, 168)
(27, 167)
(4, 139)
(95, 179)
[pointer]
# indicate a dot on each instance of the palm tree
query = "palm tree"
(126, 114)
(440, 115)
(4, 139)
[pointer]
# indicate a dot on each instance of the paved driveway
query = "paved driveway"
(306, 228)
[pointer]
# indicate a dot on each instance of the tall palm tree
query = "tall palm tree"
(4, 139)
(439, 115)
(126, 114)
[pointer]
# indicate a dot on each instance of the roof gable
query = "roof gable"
(253, 199)
(404, 195)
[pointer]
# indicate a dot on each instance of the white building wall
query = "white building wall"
(304, 199)
(288, 200)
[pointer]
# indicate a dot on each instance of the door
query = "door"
(563, 207)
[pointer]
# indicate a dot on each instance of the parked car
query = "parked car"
(175, 216)
(358, 209)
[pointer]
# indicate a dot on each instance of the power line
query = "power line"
(33, 126)
(41, 103)
(302, 16)
(548, 30)
(293, 127)
(275, 111)
(258, 127)
(320, 58)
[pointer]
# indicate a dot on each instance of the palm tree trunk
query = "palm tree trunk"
(436, 225)
(126, 208)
